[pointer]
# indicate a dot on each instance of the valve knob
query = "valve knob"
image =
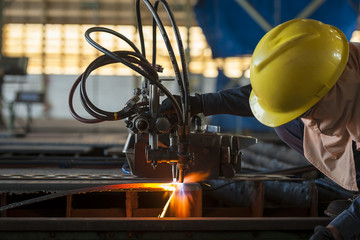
(141, 124)
(162, 124)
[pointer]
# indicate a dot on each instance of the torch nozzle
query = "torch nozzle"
(181, 175)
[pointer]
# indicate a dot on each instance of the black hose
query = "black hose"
(136, 61)
(185, 79)
(89, 106)
(183, 82)
(101, 115)
(140, 29)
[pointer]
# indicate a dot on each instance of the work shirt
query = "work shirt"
(332, 125)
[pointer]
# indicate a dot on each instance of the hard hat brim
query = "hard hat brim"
(275, 119)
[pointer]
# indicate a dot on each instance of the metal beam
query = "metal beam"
(156, 224)
(310, 9)
(256, 16)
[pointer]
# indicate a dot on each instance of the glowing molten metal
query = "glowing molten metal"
(181, 198)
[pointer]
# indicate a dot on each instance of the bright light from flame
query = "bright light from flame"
(167, 205)
(169, 187)
(181, 200)
(195, 177)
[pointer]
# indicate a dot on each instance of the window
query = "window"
(62, 49)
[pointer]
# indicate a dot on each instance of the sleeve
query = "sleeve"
(348, 222)
(354, 55)
(292, 133)
(233, 101)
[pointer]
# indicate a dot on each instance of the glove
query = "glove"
(196, 105)
(322, 233)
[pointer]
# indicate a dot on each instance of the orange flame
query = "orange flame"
(181, 200)
(196, 177)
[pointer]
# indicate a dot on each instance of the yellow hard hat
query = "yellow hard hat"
(293, 66)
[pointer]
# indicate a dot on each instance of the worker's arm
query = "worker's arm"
(347, 223)
(234, 101)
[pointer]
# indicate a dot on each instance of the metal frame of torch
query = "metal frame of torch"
(183, 153)
(183, 127)
(138, 119)
(184, 156)
(154, 111)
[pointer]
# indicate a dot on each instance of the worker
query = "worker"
(305, 83)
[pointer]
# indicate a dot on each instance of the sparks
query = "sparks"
(168, 187)
(181, 200)
(167, 205)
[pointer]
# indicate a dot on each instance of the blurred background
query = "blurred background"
(43, 51)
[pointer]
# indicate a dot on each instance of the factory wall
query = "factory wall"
(107, 92)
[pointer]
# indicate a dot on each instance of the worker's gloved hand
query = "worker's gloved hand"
(196, 105)
(322, 233)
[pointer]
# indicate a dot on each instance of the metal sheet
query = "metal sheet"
(49, 180)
